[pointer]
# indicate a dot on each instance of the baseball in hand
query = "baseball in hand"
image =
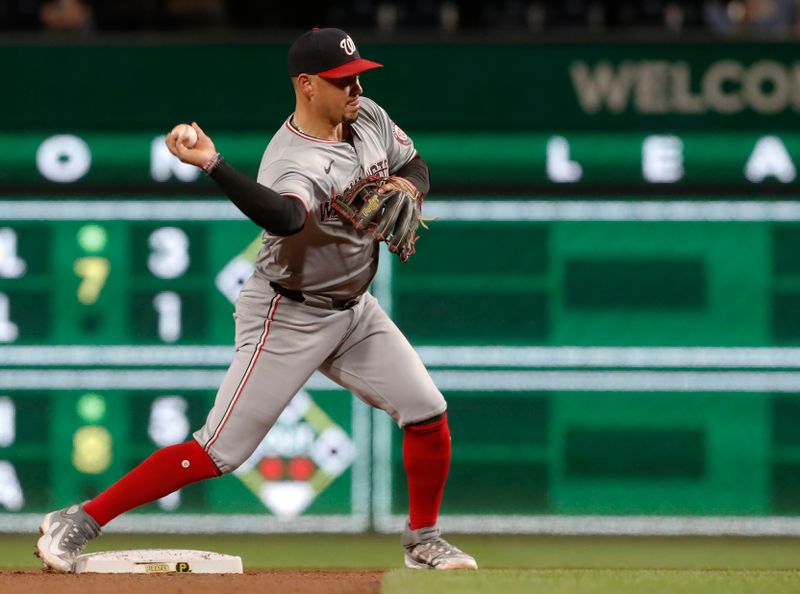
(184, 134)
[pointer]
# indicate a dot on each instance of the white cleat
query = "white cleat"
(64, 534)
(426, 549)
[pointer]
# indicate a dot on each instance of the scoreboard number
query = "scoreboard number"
(93, 272)
(7, 421)
(11, 496)
(170, 252)
(11, 265)
(8, 329)
(168, 306)
(169, 423)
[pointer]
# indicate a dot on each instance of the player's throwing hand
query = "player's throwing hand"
(202, 151)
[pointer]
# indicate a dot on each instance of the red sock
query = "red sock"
(426, 457)
(165, 471)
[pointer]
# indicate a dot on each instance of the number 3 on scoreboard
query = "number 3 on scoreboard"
(93, 272)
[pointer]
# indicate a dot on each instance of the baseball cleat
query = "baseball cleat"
(64, 534)
(426, 549)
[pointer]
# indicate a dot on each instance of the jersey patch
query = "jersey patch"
(400, 136)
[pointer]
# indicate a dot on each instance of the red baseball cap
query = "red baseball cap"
(328, 52)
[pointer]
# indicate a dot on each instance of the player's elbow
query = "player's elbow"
(292, 219)
(293, 224)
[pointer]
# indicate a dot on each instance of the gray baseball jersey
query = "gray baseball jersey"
(280, 343)
(328, 257)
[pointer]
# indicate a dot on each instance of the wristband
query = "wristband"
(212, 164)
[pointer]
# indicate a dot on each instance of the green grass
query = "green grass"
(593, 581)
(492, 552)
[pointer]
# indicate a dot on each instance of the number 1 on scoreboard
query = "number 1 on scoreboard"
(168, 306)
(8, 329)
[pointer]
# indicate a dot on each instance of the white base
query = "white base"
(158, 561)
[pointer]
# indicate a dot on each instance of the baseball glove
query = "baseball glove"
(393, 216)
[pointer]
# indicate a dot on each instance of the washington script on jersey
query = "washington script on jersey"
(326, 210)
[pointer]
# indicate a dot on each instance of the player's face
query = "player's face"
(338, 97)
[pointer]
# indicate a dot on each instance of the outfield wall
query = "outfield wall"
(609, 297)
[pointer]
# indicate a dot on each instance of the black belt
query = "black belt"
(314, 300)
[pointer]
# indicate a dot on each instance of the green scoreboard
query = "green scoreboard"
(605, 356)
(116, 328)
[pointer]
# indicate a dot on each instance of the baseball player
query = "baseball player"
(306, 307)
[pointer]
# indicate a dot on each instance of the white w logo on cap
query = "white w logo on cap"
(348, 46)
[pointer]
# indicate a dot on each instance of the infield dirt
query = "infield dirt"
(283, 581)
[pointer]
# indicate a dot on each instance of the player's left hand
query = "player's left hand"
(393, 184)
(202, 151)
(389, 208)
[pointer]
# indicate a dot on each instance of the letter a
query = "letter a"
(770, 158)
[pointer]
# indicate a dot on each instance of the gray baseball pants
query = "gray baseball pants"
(279, 345)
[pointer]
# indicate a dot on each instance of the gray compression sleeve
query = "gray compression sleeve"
(416, 171)
(278, 214)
